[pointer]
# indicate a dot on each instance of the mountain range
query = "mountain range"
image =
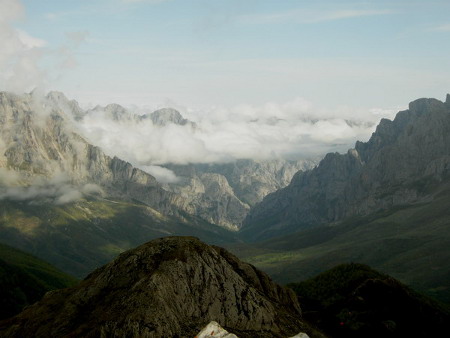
(64, 200)
(405, 162)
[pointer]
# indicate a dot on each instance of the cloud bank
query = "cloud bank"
(19, 53)
(57, 190)
(292, 130)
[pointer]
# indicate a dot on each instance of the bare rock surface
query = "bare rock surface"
(404, 162)
(169, 287)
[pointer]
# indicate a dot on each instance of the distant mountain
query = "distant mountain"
(410, 243)
(24, 279)
(405, 162)
(80, 236)
(114, 112)
(166, 288)
(353, 300)
(38, 142)
(223, 193)
(62, 198)
(164, 116)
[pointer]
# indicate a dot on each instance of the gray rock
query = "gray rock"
(169, 287)
(405, 161)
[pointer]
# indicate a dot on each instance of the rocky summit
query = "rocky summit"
(169, 287)
(406, 161)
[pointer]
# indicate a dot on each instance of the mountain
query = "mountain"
(39, 142)
(80, 236)
(112, 111)
(169, 287)
(405, 162)
(24, 279)
(223, 193)
(67, 202)
(353, 300)
(164, 116)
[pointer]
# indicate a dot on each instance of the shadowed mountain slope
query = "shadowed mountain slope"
(169, 287)
(24, 279)
(406, 161)
(353, 300)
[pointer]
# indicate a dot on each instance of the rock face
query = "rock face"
(405, 161)
(224, 193)
(164, 116)
(37, 141)
(213, 329)
(170, 287)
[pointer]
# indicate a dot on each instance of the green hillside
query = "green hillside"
(353, 300)
(24, 279)
(81, 236)
(409, 243)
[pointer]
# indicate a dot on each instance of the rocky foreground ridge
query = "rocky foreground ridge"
(169, 287)
(406, 161)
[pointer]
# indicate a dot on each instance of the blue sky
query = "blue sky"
(200, 53)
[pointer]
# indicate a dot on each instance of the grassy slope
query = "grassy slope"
(24, 279)
(352, 300)
(81, 236)
(412, 244)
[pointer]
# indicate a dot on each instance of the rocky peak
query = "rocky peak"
(389, 171)
(164, 116)
(60, 102)
(425, 106)
(168, 287)
(115, 112)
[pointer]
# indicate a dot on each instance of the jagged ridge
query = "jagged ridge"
(168, 287)
(405, 161)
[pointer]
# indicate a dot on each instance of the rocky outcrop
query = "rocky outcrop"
(164, 116)
(212, 330)
(405, 161)
(169, 287)
(37, 140)
(223, 193)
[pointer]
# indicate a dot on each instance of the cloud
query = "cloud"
(293, 129)
(309, 16)
(162, 175)
(77, 37)
(441, 28)
(20, 52)
(57, 190)
(66, 52)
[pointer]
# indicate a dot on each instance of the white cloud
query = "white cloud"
(161, 174)
(441, 28)
(294, 129)
(309, 16)
(57, 190)
(30, 41)
(20, 52)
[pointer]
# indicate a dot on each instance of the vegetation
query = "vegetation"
(409, 243)
(352, 300)
(24, 279)
(81, 236)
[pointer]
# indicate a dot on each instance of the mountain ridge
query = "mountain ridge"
(386, 171)
(172, 286)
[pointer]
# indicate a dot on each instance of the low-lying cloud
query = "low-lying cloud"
(57, 190)
(294, 130)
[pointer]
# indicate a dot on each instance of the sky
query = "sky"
(203, 53)
(261, 78)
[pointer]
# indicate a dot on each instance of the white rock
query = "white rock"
(214, 330)
(300, 335)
